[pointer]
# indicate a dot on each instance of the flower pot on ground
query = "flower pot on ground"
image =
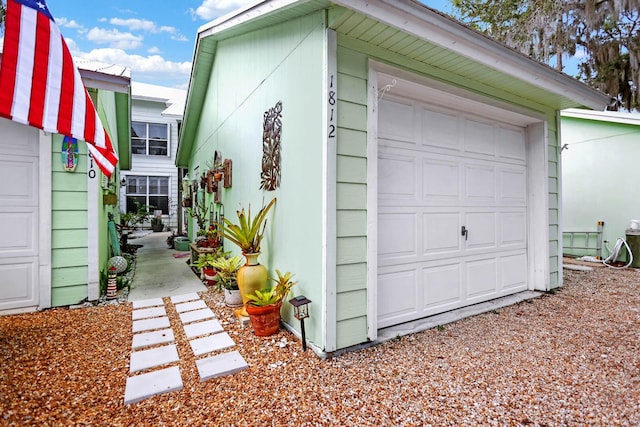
(263, 307)
(227, 269)
(157, 224)
(205, 264)
(247, 234)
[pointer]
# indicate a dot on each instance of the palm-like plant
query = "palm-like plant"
(227, 269)
(248, 233)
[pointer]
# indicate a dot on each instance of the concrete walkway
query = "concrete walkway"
(158, 273)
(154, 348)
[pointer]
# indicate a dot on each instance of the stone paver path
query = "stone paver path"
(154, 357)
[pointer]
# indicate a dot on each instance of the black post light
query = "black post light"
(301, 311)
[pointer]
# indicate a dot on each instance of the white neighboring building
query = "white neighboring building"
(156, 114)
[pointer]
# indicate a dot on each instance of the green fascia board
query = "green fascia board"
(123, 119)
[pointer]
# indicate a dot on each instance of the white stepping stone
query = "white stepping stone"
(149, 324)
(176, 299)
(221, 364)
(190, 306)
(152, 338)
(145, 313)
(143, 386)
(192, 316)
(144, 303)
(211, 343)
(145, 359)
(202, 328)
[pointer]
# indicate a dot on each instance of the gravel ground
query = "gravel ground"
(568, 358)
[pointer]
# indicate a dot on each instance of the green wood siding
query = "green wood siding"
(69, 228)
(250, 74)
(351, 249)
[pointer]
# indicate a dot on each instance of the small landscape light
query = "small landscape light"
(301, 311)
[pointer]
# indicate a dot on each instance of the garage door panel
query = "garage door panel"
(482, 279)
(513, 228)
(479, 138)
(440, 180)
(513, 186)
(397, 297)
(442, 287)
(400, 125)
(441, 233)
(398, 236)
(513, 272)
(19, 283)
(481, 234)
(397, 177)
(510, 143)
(440, 129)
(18, 181)
(18, 231)
(480, 183)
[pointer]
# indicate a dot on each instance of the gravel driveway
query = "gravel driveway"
(569, 358)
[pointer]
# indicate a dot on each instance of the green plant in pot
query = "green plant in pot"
(263, 306)
(227, 269)
(247, 234)
(157, 224)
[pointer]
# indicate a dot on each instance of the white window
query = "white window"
(150, 139)
(152, 191)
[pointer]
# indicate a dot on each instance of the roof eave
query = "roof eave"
(427, 24)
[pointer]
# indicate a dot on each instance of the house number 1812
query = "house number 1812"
(332, 107)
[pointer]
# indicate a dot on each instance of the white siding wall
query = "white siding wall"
(151, 112)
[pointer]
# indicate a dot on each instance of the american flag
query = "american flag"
(41, 86)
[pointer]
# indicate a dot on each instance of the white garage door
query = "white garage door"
(18, 216)
(451, 210)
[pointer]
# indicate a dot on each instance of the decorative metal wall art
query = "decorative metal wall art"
(271, 131)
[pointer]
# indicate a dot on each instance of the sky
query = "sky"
(155, 39)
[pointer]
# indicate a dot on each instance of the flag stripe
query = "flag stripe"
(54, 78)
(89, 119)
(24, 69)
(9, 61)
(41, 65)
(66, 93)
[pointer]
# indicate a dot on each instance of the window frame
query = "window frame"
(147, 139)
(147, 194)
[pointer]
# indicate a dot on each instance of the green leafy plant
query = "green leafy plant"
(199, 212)
(156, 220)
(133, 218)
(248, 233)
(274, 294)
(227, 269)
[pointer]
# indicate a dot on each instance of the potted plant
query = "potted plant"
(157, 224)
(227, 269)
(247, 234)
(203, 264)
(263, 306)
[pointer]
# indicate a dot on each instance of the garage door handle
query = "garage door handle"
(464, 232)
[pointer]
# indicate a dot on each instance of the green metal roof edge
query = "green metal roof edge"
(123, 120)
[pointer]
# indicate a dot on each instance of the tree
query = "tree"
(606, 31)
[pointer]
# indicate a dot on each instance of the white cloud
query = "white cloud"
(153, 49)
(210, 9)
(64, 22)
(114, 38)
(134, 24)
(151, 67)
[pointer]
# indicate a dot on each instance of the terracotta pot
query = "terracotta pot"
(265, 320)
(252, 276)
(232, 297)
